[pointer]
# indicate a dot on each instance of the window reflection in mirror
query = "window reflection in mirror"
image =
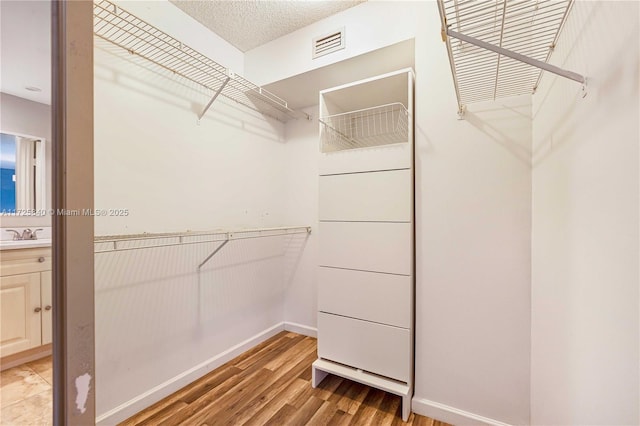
(21, 174)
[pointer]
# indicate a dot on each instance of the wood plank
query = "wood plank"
(353, 397)
(324, 414)
(340, 418)
(388, 410)
(165, 413)
(368, 408)
(304, 413)
(269, 410)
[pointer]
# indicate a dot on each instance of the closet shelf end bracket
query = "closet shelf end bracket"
(215, 95)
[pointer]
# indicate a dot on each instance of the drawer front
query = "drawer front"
(376, 196)
(25, 261)
(376, 348)
(371, 296)
(383, 157)
(367, 246)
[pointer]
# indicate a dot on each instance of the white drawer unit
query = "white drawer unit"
(366, 262)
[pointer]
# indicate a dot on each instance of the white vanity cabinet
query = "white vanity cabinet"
(366, 254)
(25, 299)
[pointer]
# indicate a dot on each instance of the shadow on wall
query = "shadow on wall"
(138, 75)
(147, 297)
(615, 79)
(491, 120)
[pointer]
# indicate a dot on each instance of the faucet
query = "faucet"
(27, 234)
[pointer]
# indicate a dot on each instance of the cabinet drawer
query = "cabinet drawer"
(383, 157)
(376, 348)
(375, 196)
(383, 298)
(367, 246)
(25, 261)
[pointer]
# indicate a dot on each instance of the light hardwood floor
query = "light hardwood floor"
(271, 385)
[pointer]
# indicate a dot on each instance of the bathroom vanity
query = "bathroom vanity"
(25, 296)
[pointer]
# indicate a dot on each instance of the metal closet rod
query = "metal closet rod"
(517, 56)
(227, 236)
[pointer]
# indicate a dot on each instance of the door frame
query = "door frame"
(72, 187)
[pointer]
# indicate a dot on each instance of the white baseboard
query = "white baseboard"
(450, 415)
(142, 401)
(305, 330)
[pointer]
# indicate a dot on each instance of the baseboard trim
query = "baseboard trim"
(305, 330)
(20, 358)
(450, 415)
(155, 394)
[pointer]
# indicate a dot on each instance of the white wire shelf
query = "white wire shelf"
(117, 26)
(369, 127)
(116, 243)
(525, 33)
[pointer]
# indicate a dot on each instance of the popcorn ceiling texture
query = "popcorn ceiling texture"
(251, 23)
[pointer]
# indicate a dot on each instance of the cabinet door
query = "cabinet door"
(19, 313)
(46, 300)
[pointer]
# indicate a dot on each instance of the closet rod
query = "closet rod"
(518, 57)
(187, 238)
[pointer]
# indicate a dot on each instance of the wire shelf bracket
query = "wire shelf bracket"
(123, 29)
(522, 33)
(215, 95)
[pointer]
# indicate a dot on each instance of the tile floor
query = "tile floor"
(25, 394)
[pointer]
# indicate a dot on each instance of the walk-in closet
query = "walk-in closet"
(329, 213)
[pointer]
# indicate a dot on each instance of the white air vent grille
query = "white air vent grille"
(328, 43)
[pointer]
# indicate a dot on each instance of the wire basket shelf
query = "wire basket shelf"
(123, 29)
(365, 128)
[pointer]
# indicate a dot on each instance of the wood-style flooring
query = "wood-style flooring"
(271, 385)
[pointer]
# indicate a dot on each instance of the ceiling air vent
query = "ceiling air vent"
(328, 43)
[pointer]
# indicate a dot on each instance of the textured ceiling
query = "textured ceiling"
(250, 23)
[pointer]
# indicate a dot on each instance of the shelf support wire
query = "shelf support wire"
(215, 95)
(213, 253)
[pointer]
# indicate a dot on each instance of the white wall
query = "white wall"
(369, 26)
(159, 323)
(171, 173)
(473, 195)
(21, 116)
(586, 224)
(302, 207)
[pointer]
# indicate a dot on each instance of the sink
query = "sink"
(24, 244)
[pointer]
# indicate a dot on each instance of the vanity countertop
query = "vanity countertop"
(24, 244)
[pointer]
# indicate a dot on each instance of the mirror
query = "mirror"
(22, 174)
